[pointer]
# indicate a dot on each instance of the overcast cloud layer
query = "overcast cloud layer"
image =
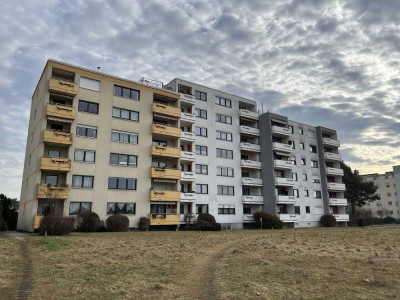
(330, 63)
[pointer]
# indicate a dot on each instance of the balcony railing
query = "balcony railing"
(288, 217)
(251, 181)
(338, 201)
(52, 191)
(281, 199)
(60, 111)
(187, 117)
(283, 181)
(334, 171)
(166, 110)
(188, 196)
(166, 130)
(278, 130)
(248, 114)
(186, 155)
(330, 142)
(249, 130)
(250, 147)
(253, 199)
(248, 218)
(282, 147)
(62, 86)
(165, 196)
(55, 164)
(332, 156)
(341, 217)
(164, 219)
(57, 137)
(336, 186)
(165, 173)
(283, 164)
(252, 164)
(165, 151)
(188, 98)
(188, 136)
(189, 176)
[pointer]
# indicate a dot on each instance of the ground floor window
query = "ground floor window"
(226, 209)
(77, 207)
(121, 208)
(202, 208)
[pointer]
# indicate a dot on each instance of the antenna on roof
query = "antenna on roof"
(98, 69)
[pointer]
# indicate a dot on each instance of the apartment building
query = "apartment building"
(389, 189)
(110, 145)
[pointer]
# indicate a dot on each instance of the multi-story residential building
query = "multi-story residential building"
(389, 190)
(110, 145)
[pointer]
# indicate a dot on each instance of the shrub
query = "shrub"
(144, 224)
(117, 223)
(269, 221)
(328, 221)
(87, 221)
(206, 218)
(102, 227)
(56, 225)
(206, 226)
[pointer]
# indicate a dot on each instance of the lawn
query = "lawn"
(348, 263)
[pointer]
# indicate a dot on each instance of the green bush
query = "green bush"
(117, 223)
(144, 224)
(328, 221)
(56, 225)
(87, 221)
(206, 226)
(206, 218)
(269, 221)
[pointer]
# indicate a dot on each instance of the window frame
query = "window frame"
(86, 127)
(88, 103)
(128, 156)
(121, 95)
(119, 183)
(83, 177)
(130, 112)
(125, 207)
(84, 156)
(130, 135)
(80, 207)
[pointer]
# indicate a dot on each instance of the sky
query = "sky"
(329, 63)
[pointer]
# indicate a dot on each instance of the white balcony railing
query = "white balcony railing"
(341, 217)
(186, 155)
(334, 171)
(251, 181)
(282, 147)
(250, 164)
(280, 199)
(253, 199)
(188, 196)
(250, 147)
(283, 164)
(330, 142)
(285, 131)
(249, 130)
(188, 98)
(336, 186)
(332, 156)
(338, 201)
(190, 176)
(288, 217)
(188, 136)
(248, 218)
(283, 181)
(248, 114)
(188, 117)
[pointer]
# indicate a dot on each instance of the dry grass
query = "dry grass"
(10, 263)
(287, 264)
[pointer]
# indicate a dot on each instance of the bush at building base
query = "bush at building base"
(269, 221)
(206, 222)
(144, 224)
(87, 221)
(117, 223)
(56, 225)
(328, 221)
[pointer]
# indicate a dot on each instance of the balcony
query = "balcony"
(188, 176)
(330, 142)
(338, 201)
(188, 98)
(282, 147)
(55, 164)
(188, 156)
(60, 111)
(165, 196)
(283, 164)
(187, 117)
(251, 181)
(188, 197)
(336, 186)
(52, 192)
(165, 173)
(281, 131)
(334, 171)
(341, 217)
(283, 181)
(288, 217)
(248, 114)
(188, 136)
(166, 110)
(165, 151)
(164, 219)
(332, 156)
(251, 164)
(281, 199)
(62, 86)
(248, 218)
(166, 130)
(250, 147)
(253, 199)
(57, 137)
(37, 219)
(249, 130)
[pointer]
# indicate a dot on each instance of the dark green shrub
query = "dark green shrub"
(144, 224)
(328, 221)
(269, 221)
(117, 223)
(56, 225)
(206, 218)
(87, 221)
(206, 226)
(102, 227)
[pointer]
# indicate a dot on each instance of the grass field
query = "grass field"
(348, 263)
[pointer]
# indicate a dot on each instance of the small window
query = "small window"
(202, 208)
(225, 190)
(313, 149)
(224, 153)
(82, 181)
(88, 107)
(201, 150)
(90, 84)
(201, 131)
(301, 146)
(121, 183)
(297, 210)
(291, 128)
(307, 209)
(303, 161)
(225, 171)
(226, 209)
(86, 131)
(78, 207)
(121, 208)
(123, 160)
(300, 131)
(296, 193)
(201, 169)
(85, 156)
(200, 96)
(124, 137)
(304, 177)
(317, 194)
(294, 176)
(127, 93)
(306, 194)
(125, 114)
(201, 113)
(314, 164)
(223, 119)
(223, 102)
(201, 188)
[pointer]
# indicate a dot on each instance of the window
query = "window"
(86, 131)
(125, 114)
(78, 207)
(123, 160)
(224, 153)
(294, 176)
(300, 131)
(85, 156)
(120, 91)
(317, 194)
(313, 149)
(53, 153)
(201, 113)
(201, 188)
(306, 194)
(89, 107)
(201, 169)
(223, 119)
(200, 95)
(304, 177)
(51, 179)
(246, 210)
(307, 209)
(159, 143)
(388, 185)
(390, 203)
(296, 193)
(226, 190)
(292, 144)
(225, 171)
(303, 161)
(225, 136)
(82, 181)
(297, 210)
(314, 164)
(316, 181)
(124, 137)
(226, 209)
(201, 131)
(223, 102)
(202, 208)
(301, 146)
(120, 183)
(291, 128)
(201, 150)
(121, 208)
(90, 84)
(389, 194)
